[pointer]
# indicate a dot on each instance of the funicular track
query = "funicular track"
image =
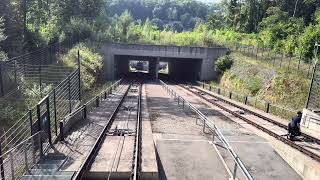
(306, 144)
(128, 111)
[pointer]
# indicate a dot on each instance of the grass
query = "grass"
(266, 84)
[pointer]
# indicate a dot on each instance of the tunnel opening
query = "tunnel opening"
(163, 67)
(137, 66)
(177, 69)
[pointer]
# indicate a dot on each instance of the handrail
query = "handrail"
(215, 131)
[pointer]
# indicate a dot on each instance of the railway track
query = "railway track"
(306, 144)
(125, 121)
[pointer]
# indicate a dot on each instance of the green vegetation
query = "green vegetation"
(262, 81)
(91, 64)
(223, 63)
(289, 27)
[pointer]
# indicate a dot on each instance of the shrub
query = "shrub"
(91, 64)
(224, 63)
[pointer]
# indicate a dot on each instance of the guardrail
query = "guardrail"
(215, 133)
(251, 101)
(81, 112)
(19, 159)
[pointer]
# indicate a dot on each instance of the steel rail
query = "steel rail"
(257, 114)
(137, 153)
(266, 130)
(88, 160)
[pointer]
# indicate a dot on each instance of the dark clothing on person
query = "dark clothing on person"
(296, 120)
(293, 126)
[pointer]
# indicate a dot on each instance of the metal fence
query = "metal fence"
(251, 101)
(33, 66)
(19, 159)
(45, 115)
(216, 133)
(277, 59)
(313, 102)
(81, 112)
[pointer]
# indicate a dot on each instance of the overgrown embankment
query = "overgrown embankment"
(259, 79)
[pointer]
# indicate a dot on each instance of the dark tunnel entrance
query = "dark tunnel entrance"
(158, 67)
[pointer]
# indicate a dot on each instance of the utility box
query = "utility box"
(311, 120)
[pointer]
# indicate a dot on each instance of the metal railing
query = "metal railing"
(81, 112)
(46, 114)
(265, 106)
(238, 164)
(33, 66)
(21, 158)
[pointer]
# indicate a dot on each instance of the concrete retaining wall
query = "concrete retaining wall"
(208, 56)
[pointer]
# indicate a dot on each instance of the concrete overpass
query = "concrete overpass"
(184, 62)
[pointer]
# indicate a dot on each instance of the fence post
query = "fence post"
(308, 69)
(268, 108)
(26, 158)
(311, 86)
(1, 81)
(69, 93)
(61, 131)
(246, 100)
(15, 70)
(49, 121)
(39, 128)
(12, 166)
(219, 90)
(84, 111)
(274, 58)
(235, 169)
(55, 112)
(281, 59)
(97, 101)
(30, 121)
(290, 57)
(79, 75)
(299, 62)
(257, 52)
(1, 163)
(230, 95)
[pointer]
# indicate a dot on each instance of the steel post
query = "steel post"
(49, 120)
(61, 131)
(12, 166)
(268, 108)
(311, 86)
(30, 122)
(69, 94)
(26, 157)
(84, 111)
(235, 169)
(55, 112)
(79, 75)
(1, 164)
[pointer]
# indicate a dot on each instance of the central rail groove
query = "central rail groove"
(135, 172)
(307, 145)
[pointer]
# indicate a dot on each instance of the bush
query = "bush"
(91, 64)
(224, 63)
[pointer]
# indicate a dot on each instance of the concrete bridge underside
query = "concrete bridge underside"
(187, 63)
